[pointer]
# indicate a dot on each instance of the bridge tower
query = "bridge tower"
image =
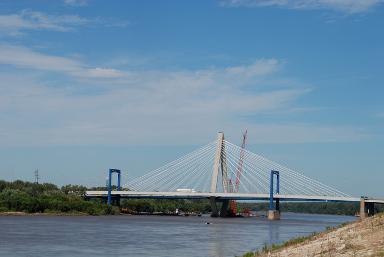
(220, 163)
(274, 209)
(111, 171)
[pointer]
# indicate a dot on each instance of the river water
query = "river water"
(160, 236)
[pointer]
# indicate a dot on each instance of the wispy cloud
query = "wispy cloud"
(306, 132)
(26, 58)
(17, 23)
(146, 106)
(345, 6)
(29, 20)
(76, 2)
(260, 67)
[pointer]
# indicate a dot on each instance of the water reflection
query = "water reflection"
(273, 232)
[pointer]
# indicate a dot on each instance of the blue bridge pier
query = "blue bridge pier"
(274, 209)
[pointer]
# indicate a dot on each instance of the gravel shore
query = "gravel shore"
(357, 239)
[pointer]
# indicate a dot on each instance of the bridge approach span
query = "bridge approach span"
(219, 196)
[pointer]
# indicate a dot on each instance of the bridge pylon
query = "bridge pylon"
(220, 163)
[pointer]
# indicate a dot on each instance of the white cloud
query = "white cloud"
(26, 58)
(304, 133)
(346, 6)
(76, 2)
(260, 67)
(103, 73)
(109, 106)
(15, 24)
(146, 107)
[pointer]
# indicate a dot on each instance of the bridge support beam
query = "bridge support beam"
(367, 209)
(214, 209)
(223, 212)
(224, 208)
(274, 209)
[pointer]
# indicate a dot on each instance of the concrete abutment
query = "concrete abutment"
(367, 209)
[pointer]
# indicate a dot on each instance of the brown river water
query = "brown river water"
(160, 236)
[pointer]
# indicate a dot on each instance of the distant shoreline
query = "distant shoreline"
(18, 213)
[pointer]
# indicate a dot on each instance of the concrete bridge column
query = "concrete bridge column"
(224, 208)
(215, 210)
(367, 209)
(223, 212)
(274, 214)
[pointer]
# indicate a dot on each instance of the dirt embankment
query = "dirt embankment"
(360, 238)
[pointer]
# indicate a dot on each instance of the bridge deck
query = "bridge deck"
(223, 196)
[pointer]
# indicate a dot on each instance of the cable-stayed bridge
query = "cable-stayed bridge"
(208, 172)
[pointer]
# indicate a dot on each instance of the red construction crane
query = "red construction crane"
(233, 204)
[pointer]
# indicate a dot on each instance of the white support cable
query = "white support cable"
(257, 180)
(207, 169)
(174, 167)
(170, 168)
(246, 189)
(266, 174)
(293, 172)
(207, 183)
(172, 163)
(234, 172)
(192, 181)
(302, 182)
(179, 183)
(184, 169)
(196, 182)
(266, 177)
(198, 185)
(252, 169)
(273, 164)
(231, 166)
(181, 177)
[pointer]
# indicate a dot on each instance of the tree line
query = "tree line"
(334, 208)
(22, 196)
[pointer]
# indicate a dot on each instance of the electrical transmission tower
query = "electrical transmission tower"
(37, 176)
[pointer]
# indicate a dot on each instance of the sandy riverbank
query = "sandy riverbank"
(357, 239)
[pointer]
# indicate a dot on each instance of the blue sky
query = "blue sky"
(89, 85)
